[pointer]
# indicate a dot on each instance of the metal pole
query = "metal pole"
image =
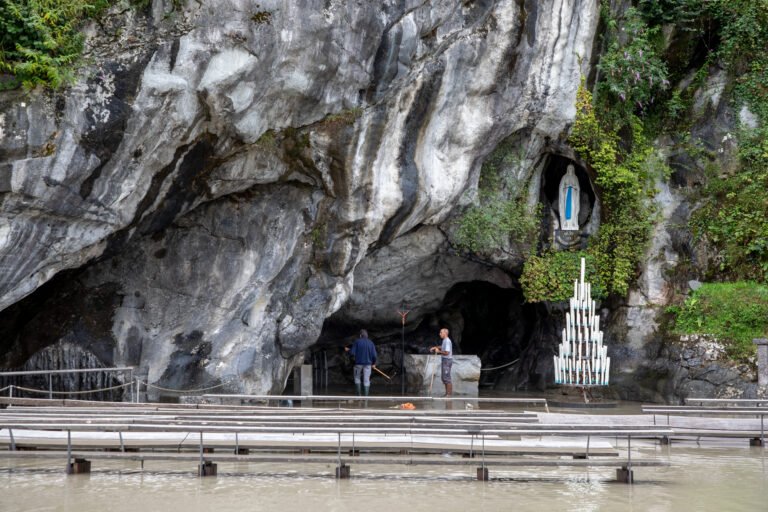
(339, 450)
(50, 386)
(202, 463)
(402, 359)
(403, 314)
(483, 450)
(69, 450)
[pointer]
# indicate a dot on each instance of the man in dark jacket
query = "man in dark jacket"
(364, 352)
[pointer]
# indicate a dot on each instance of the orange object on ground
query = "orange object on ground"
(407, 405)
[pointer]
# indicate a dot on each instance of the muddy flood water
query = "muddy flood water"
(716, 475)
(722, 478)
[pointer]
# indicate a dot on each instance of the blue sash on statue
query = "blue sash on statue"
(568, 203)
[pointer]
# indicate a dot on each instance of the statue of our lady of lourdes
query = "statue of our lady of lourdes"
(569, 199)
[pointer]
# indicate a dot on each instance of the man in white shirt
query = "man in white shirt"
(445, 350)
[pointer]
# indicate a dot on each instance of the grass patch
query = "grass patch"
(735, 313)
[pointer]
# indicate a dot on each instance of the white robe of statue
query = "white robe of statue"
(569, 199)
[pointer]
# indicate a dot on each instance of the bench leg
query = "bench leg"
(343, 472)
(625, 475)
(664, 440)
(482, 474)
(79, 467)
(206, 469)
(755, 441)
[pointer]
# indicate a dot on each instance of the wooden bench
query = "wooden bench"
(733, 428)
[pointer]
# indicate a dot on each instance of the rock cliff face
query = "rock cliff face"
(220, 179)
(229, 184)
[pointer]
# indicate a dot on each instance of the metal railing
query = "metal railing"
(125, 371)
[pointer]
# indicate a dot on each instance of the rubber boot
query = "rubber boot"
(357, 389)
(448, 389)
(366, 390)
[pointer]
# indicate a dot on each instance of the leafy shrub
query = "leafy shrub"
(624, 183)
(488, 226)
(632, 72)
(734, 214)
(496, 220)
(40, 39)
(735, 313)
(550, 277)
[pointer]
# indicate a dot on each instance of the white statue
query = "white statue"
(569, 197)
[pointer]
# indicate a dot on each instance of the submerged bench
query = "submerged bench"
(477, 434)
(737, 402)
(732, 429)
(208, 462)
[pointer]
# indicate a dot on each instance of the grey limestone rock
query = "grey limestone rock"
(228, 173)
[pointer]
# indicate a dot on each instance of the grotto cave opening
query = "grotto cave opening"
(514, 340)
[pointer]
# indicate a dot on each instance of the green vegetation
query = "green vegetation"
(734, 217)
(318, 235)
(344, 118)
(488, 226)
(550, 277)
(40, 40)
(735, 313)
(267, 139)
(609, 136)
(632, 73)
(496, 220)
(624, 181)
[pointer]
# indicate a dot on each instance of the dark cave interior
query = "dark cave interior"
(485, 320)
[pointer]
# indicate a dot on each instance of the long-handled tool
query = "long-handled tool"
(434, 370)
(381, 372)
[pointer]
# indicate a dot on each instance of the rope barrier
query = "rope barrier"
(498, 367)
(148, 385)
(46, 392)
